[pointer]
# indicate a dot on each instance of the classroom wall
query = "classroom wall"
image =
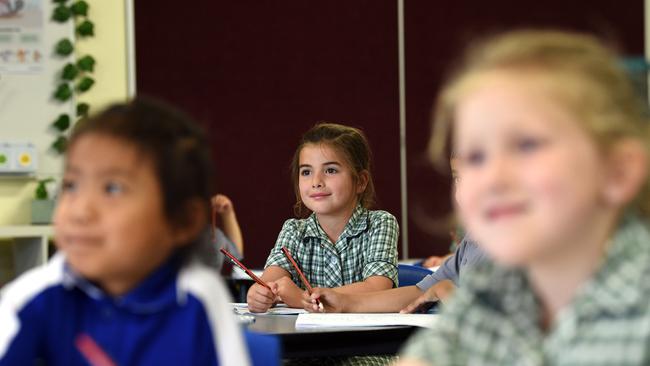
(435, 34)
(109, 48)
(258, 73)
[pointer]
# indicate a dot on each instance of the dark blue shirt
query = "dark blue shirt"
(177, 316)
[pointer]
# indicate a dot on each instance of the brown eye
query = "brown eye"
(528, 144)
(68, 186)
(113, 188)
(475, 158)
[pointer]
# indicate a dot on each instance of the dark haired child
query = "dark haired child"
(342, 244)
(125, 287)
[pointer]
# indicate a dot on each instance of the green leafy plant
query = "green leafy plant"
(41, 189)
(75, 78)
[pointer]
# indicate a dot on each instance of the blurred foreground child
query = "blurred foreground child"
(554, 142)
(125, 288)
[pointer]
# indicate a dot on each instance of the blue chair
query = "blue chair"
(264, 349)
(409, 275)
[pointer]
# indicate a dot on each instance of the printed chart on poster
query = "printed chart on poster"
(29, 73)
(21, 36)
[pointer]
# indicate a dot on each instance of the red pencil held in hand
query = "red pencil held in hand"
(295, 265)
(243, 268)
(300, 274)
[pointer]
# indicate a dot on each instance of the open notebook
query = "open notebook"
(348, 320)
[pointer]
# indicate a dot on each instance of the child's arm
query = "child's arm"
(22, 326)
(405, 361)
(21, 347)
(438, 292)
(224, 207)
(387, 301)
(370, 284)
(442, 283)
(435, 261)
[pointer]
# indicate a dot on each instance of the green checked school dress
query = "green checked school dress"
(367, 247)
(493, 319)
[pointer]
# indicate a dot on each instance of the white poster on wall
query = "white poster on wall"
(21, 36)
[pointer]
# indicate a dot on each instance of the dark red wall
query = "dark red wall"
(259, 73)
(436, 33)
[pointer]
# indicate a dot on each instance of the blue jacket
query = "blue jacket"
(177, 316)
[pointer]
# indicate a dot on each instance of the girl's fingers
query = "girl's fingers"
(256, 306)
(413, 305)
(307, 306)
(262, 294)
(259, 304)
(268, 295)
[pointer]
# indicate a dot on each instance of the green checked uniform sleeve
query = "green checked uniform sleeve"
(366, 247)
(290, 237)
(380, 247)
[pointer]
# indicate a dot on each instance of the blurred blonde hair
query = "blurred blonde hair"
(577, 70)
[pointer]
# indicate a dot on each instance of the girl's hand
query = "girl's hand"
(433, 261)
(307, 303)
(222, 204)
(260, 299)
(331, 301)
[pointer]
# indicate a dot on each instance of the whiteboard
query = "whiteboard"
(27, 107)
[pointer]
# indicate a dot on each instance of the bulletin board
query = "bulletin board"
(29, 71)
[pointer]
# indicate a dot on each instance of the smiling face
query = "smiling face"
(533, 177)
(326, 183)
(110, 220)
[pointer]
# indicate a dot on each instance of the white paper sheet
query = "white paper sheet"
(241, 308)
(347, 320)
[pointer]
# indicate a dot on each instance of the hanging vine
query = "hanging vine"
(75, 78)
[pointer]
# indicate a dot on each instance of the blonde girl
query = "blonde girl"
(554, 142)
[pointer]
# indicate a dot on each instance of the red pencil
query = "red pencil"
(295, 265)
(243, 268)
(93, 353)
(302, 276)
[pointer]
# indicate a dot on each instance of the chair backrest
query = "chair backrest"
(409, 275)
(264, 349)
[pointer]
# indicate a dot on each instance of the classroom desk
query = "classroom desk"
(322, 342)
